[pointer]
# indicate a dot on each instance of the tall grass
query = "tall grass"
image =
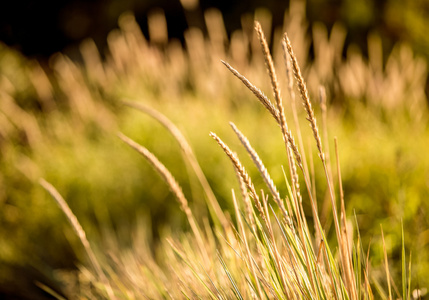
(295, 238)
(267, 250)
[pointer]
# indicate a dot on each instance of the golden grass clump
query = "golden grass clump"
(265, 256)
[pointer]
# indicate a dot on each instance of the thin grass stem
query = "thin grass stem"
(246, 244)
(173, 185)
(215, 209)
(80, 233)
(386, 264)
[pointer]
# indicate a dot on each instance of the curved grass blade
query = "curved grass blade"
(214, 208)
(234, 285)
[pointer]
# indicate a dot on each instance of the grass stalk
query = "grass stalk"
(404, 265)
(262, 170)
(247, 203)
(324, 113)
(80, 233)
(304, 95)
(241, 171)
(287, 136)
(257, 92)
(215, 209)
(243, 234)
(386, 264)
(289, 76)
(173, 185)
(409, 279)
(346, 263)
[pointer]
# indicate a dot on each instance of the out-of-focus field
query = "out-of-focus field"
(61, 124)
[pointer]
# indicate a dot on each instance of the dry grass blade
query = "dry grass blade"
(289, 76)
(173, 185)
(323, 108)
(287, 136)
(289, 143)
(247, 203)
(343, 210)
(324, 111)
(311, 186)
(297, 197)
(304, 95)
(257, 92)
(267, 103)
(49, 290)
(346, 241)
(80, 233)
(270, 65)
(342, 240)
(264, 173)
(237, 164)
(241, 171)
(386, 264)
(346, 263)
(246, 244)
(189, 154)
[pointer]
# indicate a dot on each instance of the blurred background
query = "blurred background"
(65, 66)
(40, 28)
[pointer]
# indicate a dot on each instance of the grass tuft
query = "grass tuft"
(265, 247)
